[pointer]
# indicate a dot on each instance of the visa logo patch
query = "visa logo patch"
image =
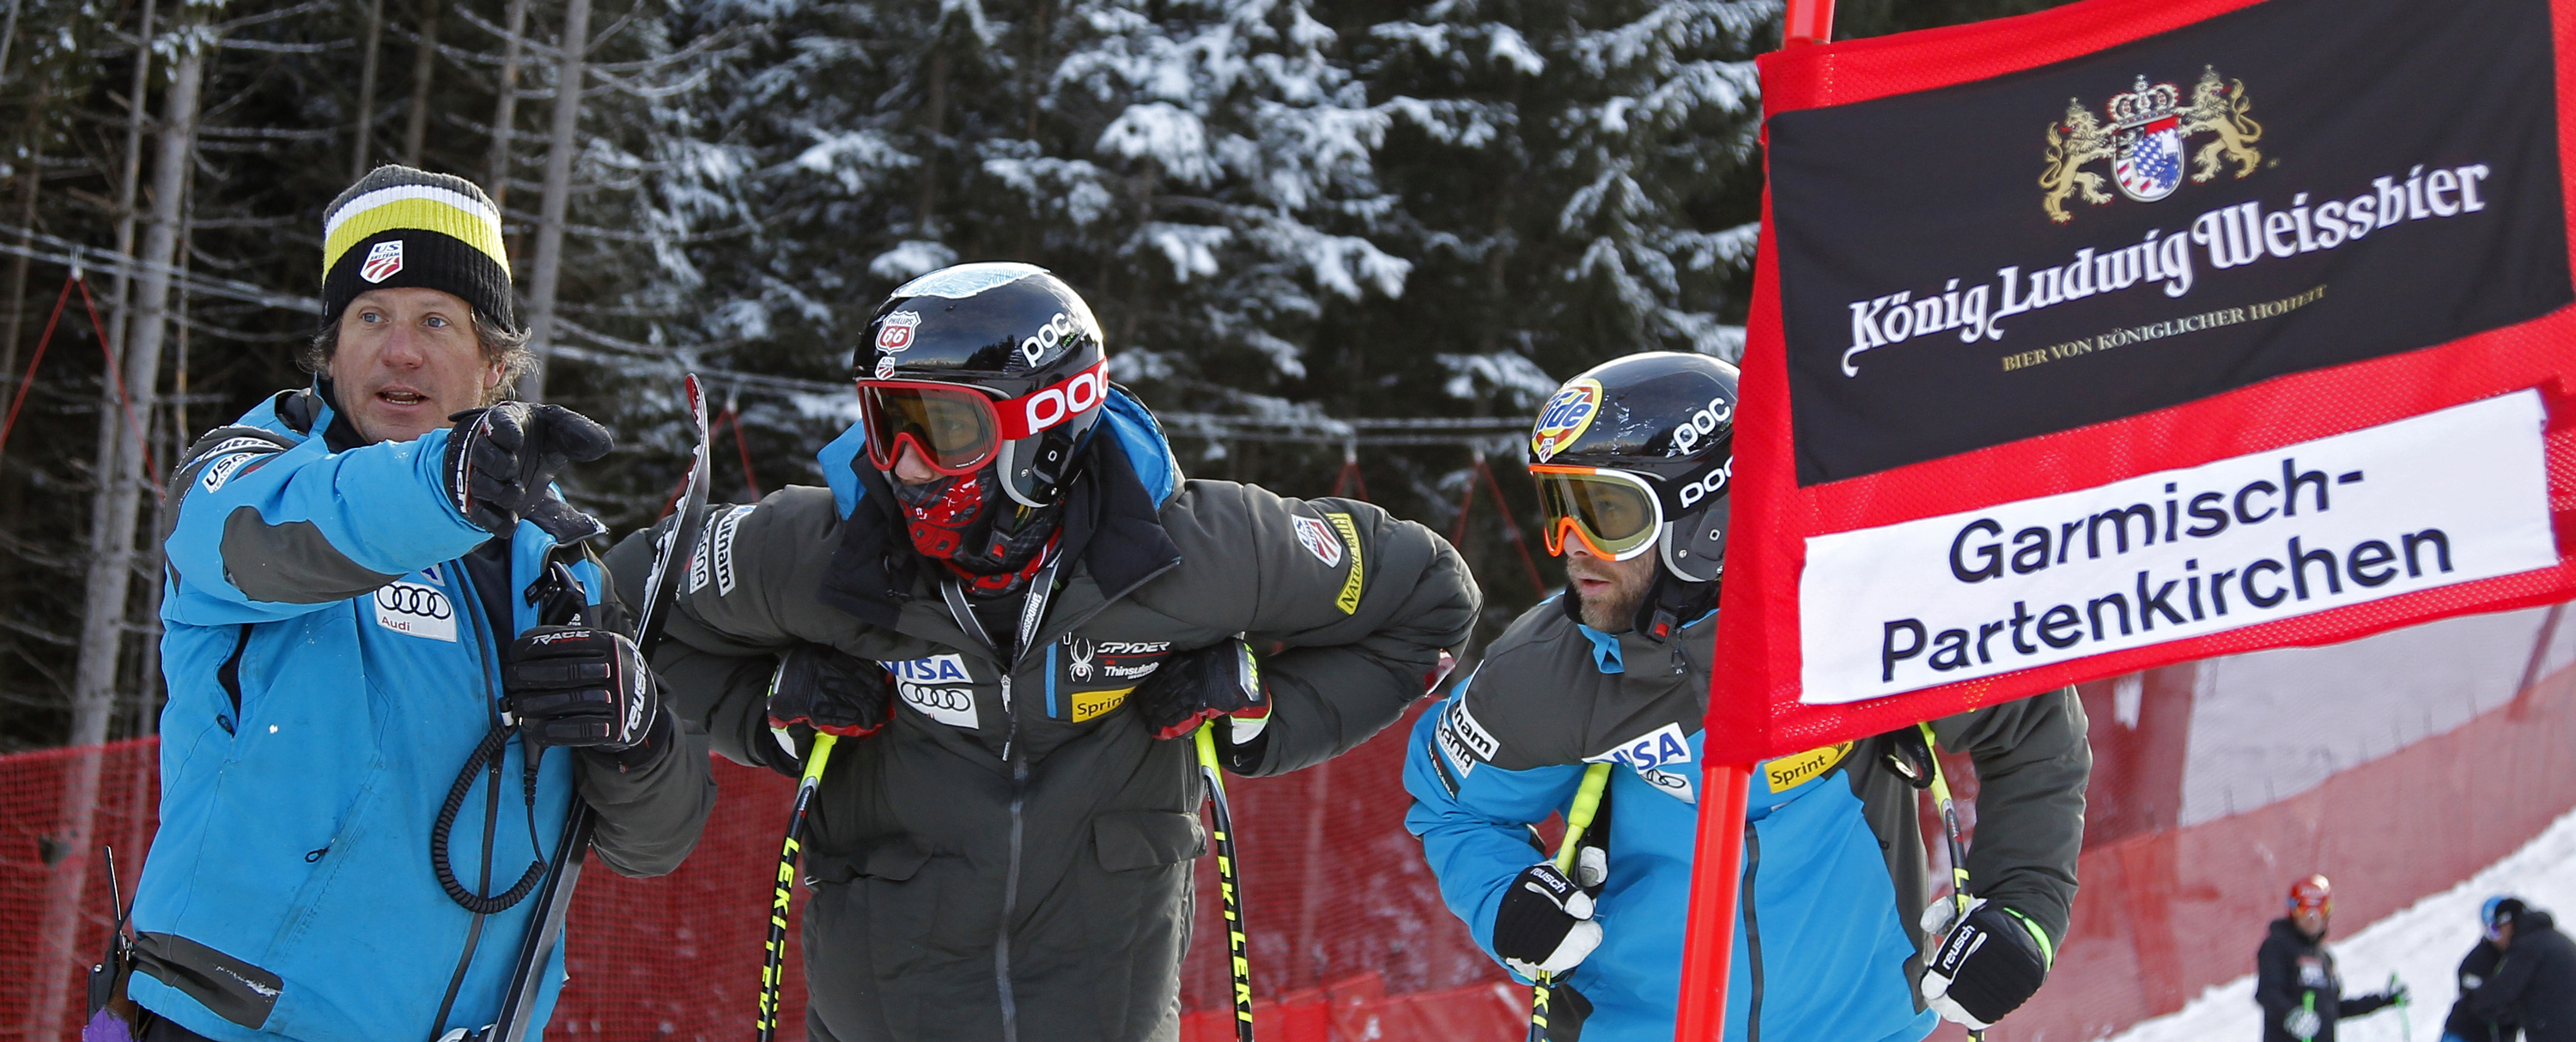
(1646, 752)
(939, 687)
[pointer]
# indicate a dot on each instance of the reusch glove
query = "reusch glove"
(1986, 967)
(587, 688)
(818, 688)
(502, 459)
(1545, 923)
(1222, 679)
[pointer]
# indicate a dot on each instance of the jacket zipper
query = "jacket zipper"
(1752, 932)
(1019, 778)
(470, 601)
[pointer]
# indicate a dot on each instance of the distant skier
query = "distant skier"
(2534, 984)
(2475, 968)
(2295, 980)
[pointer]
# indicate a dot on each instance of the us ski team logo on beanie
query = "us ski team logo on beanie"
(418, 229)
(383, 260)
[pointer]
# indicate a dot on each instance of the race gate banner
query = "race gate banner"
(2140, 331)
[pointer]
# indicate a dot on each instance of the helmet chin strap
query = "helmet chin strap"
(1671, 603)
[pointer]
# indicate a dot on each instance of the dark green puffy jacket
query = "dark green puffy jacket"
(1010, 858)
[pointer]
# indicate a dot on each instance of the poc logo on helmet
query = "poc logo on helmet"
(1055, 332)
(1071, 398)
(1701, 424)
(1710, 484)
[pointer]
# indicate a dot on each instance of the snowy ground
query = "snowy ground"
(2422, 945)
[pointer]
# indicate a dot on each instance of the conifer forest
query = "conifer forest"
(1289, 215)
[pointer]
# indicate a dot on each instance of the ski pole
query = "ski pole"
(773, 964)
(1228, 885)
(2405, 1016)
(1587, 802)
(554, 898)
(1950, 824)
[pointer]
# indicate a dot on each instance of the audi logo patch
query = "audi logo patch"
(415, 610)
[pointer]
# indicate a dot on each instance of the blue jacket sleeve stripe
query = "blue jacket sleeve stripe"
(380, 509)
(1477, 839)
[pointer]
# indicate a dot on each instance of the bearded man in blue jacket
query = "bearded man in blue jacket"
(1633, 460)
(377, 619)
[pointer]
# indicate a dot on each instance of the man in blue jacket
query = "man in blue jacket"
(1633, 460)
(371, 593)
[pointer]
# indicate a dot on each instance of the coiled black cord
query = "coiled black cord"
(484, 754)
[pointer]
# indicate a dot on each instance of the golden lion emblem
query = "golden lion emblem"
(2144, 139)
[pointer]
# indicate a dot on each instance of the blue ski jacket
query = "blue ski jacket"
(332, 659)
(1826, 938)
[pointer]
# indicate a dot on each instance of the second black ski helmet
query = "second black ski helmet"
(1637, 453)
(988, 364)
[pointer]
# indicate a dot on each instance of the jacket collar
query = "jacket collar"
(316, 407)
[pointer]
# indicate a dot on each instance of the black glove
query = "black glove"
(1985, 968)
(820, 688)
(501, 459)
(1545, 923)
(1222, 679)
(588, 688)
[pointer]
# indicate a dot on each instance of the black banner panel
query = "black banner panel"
(2294, 185)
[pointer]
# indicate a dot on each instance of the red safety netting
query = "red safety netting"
(2190, 834)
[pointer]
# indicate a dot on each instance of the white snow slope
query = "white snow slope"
(2422, 945)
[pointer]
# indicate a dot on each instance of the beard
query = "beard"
(1613, 610)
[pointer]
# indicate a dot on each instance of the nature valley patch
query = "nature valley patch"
(1349, 601)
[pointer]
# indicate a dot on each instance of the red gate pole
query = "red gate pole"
(1711, 938)
(1709, 944)
(1809, 21)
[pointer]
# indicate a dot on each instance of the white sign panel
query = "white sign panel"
(2446, 497)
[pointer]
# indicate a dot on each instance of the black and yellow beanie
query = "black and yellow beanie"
(399, 226)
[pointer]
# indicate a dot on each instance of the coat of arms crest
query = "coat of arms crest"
(2144, 141)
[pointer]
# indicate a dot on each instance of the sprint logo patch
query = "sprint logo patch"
(1789, 772)
(1091, 705)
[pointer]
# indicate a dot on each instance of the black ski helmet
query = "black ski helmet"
(1018, 335)
(1665, 416)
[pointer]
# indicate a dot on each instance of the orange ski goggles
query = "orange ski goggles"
(1615, 513)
